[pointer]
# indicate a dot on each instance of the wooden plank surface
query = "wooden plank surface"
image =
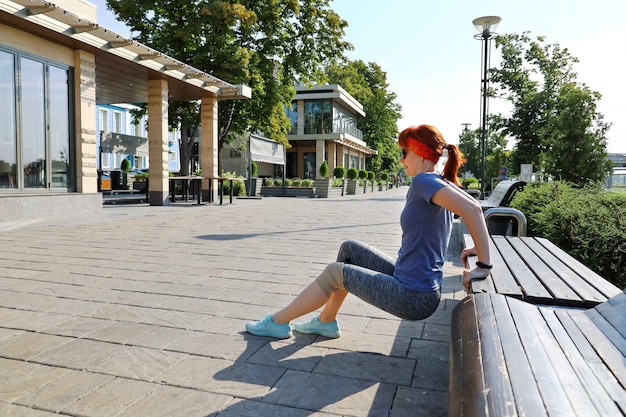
(531, 286)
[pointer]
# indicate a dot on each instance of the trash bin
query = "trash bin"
(117, 180)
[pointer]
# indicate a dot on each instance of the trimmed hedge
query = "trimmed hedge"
(588, 223)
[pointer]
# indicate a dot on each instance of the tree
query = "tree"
(554, 118)
(367, 83)
(265, 45)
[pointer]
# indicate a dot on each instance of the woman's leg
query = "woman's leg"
(361, 254)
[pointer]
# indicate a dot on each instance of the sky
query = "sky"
(433, 62)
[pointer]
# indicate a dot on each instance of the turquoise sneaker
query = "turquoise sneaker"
(267, 327)
(315, 326)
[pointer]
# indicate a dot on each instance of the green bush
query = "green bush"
(239, 188)
(339, 172)
(288, 182)
(370, 175)
(362, 174)
(255, 169)
(125, 165)
(588, 223)
(352, 173)
(278, 182)
(470, 182)
(268, 182)
(384, 176)
(296, 182)
(337, 182)
(324, 170)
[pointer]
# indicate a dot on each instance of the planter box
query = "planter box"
(323, 187)
(288, 192)
(255, 187)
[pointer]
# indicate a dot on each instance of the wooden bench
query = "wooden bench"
(512, 358)
(502, 194)
(536, 270)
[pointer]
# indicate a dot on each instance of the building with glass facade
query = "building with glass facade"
(323, 127)
(58, 67)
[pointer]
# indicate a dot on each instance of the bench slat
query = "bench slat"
(466, 395)
(516, 361)
(601, 370)
(575, 286)
(555, 397)
(574, 369)
(602, 285)
(500, 392)
(531, 286)
(549, 279)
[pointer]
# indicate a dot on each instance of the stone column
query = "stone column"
(332, 157)
(157, 142)
(320, 148)
(209, 145)
(85, 127)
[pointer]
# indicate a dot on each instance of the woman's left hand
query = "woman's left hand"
(472, 274)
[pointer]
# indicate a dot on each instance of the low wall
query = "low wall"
(13, 207)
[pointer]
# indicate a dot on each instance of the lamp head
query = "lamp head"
(486, 24)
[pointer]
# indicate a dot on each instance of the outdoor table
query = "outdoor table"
(220, 181)
(193, 180)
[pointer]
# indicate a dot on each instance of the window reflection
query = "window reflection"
(33, 128)
(8, 148)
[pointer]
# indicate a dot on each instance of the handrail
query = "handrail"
(522, 223)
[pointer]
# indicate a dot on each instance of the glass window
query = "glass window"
(309, 165)
(317, 116)
(292, 114)
(103, 120)
(8, 140)
(34, 123)
(60, 151)
(117, 122)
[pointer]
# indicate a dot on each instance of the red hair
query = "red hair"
(428, 142)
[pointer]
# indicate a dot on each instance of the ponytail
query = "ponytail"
(454, 162)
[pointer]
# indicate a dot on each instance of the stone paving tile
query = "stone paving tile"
(63, 391)
(85, 317)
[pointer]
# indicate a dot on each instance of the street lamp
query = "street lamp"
(485, 25)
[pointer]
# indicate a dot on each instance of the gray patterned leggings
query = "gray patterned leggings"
(368, 274)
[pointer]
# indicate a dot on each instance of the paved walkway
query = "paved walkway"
(139, 311)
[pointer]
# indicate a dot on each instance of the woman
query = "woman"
(409, 287)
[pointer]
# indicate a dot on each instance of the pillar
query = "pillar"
(320, 148)
(209, 145)
(157, 142)
(85, 127)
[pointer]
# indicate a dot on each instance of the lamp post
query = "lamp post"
(485, 25)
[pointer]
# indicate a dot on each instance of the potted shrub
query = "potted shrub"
(340, 173)
(254, 182)
(370, 177)
(384, 177)
(140, 183)
(363, 179)
(352, 175)
(323, 183)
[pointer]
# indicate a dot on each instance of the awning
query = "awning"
(266, 150)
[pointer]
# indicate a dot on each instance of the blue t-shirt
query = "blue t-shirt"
(426, 230)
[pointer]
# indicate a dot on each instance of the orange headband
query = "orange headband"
(424, 150)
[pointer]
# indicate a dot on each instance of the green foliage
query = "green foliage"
(268, 46)
(339, 172)
(307, 182)
(384, 176)
(255, 169)
(352, 173)
(324, 170)
(125, 165)
(278, 182)
(367, 83)
(587, 222)
(288, 182)
(370, 175)
(296, 182)
(554, 120)
(142, 176)
(337, 182)
(239, 187)
(268, 182)
(362, 174)
(470, 182)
